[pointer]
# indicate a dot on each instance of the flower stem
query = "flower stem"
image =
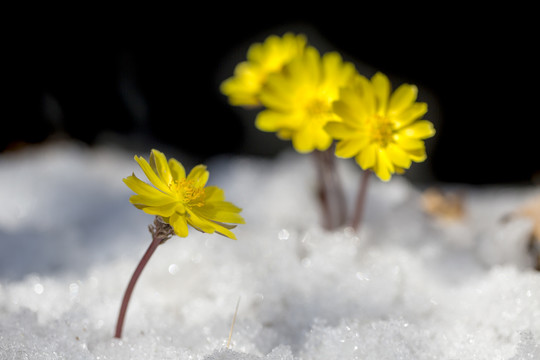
(331, 194)
(360, 201)
(158, 237)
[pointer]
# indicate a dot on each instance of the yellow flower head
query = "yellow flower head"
(182, 200)
(381, 129)
(299, 99)
(262, 59)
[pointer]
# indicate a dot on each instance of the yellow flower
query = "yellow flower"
(182, 200)
(262, 59)
(381, 129)
(299, 99)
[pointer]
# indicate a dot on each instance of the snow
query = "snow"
(407, 286)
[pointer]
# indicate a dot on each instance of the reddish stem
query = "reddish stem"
(360, 201)
(156, 241)
(331, 193)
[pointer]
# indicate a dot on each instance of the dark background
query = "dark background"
(140, 79)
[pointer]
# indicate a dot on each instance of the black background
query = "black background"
(144, 78)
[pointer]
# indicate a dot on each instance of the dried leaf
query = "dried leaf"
(447, 206)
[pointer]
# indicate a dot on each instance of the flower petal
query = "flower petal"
(381, 88)
(179, 224)
(402, 98)
(367, 157)
(397, 156)
(419, 130)
(336, 72)
(159, 164)
(349, 109)
(351, 146)
(199, 175)
(177, 169)
(407, 116)
(140, 187)
(270, 120)
(417, 155)
(407, 143)
(383, 166)
(339, 130)
(364, 90)
(151, 200)
(219, 215)
(200, 223)
(225, 206)
(213, 193)
(310, 138)
(279, 93)
(163, 210)
(207, 226)
(151, 175)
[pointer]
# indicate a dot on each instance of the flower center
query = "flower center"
(188, 193)
(319, 111)
(381, 130)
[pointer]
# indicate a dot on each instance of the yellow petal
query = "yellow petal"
(351, 146)
(417, 155)
(224, 206)
(383, 166)
(364, 90)
(322, 139)
(337, 73)
(225, 232)
(199, 175)
(309, 138)
(159, 164)
(303, 141)
(311, 67)
(177, 169)
(402, 98)
(419, 130)
(140, 187)
(339, 130)
(407, 116)
(381, 87)
(179, 224)
(279, 93)
(199, 223)
(398, 156)
(367, 157)
(151, 200)
(164, 210)
(349, 108)
(151, 175)
(213, 193)
(219, 215)
(269, 120)
(407, 143)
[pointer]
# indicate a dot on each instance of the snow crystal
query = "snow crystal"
(407, 286)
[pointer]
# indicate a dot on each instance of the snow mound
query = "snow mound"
(407, 286)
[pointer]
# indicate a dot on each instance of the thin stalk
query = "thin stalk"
(156, 241)
(232, 324)
(331, 195)
(360, 201)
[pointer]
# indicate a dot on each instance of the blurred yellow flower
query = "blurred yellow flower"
(380, 129)
(299, 100)
(262, 59)
(181, 200)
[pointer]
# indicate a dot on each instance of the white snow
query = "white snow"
(408, 286)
